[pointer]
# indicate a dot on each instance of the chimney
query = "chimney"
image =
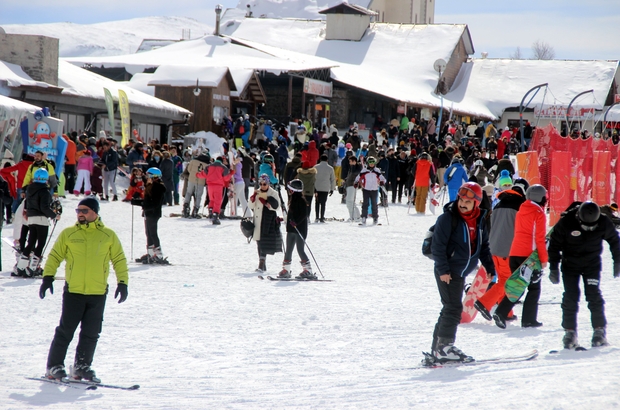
(218, 15)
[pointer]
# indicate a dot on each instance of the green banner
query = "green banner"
(109, 103)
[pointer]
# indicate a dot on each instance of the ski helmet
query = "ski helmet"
(520, 185)
(296, 185)
(40, 175)
(537, 193)
(268, 159)
(589, 213)
(471, 190)
(153, 172)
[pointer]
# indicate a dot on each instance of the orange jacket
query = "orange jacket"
(530, 231)
(423, 172)
(70, 154)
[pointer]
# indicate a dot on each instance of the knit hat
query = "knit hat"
(92, 203)
(504, 179)
(264, 178)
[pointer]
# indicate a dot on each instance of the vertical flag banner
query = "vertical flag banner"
(109, 103)
(527, 164)
(600, 177)
(123, 105)
(559, 189)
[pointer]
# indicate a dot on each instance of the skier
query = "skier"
(195, 186)
(353, 171)
(500, 240)
(369, 179)
(323, 187)
(530, 227)
(264, 202)
(38, 208)
(218, 177)
(307, 175)
(296, 232)
(456, 250)
(455, 176)
(577, 241)
(88, 247)
(154, 195)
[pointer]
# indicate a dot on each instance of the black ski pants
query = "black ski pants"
(451, 295)
(69, 177)
(86, 310)
(150, 227)
(398, 186)
(319, 206)
(295, 240)
(530, 304)
(570, 300)
(37, 236)
(369, 196)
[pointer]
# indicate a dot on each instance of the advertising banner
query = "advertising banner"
(109, 103)
(527, 164)
(600, 177)
(123, 105)
(559, 190)
(44, 133)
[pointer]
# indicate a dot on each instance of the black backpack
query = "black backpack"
(427, 243)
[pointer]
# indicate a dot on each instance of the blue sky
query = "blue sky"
(575, 29)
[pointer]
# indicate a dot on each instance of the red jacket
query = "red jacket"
(423, 172)
(22, 169)
(530, 231)
(311, 155)
(216, 174)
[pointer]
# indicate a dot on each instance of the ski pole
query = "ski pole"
(49, 237)
(309, 250)
(131, 232)
(385, 208)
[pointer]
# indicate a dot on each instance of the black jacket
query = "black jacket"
(39, 200)
(297, 212)
(451, 248)
(110, 160)
(153, 199)
(578, 249)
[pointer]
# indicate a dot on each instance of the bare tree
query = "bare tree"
(517, 55)
(542, 51)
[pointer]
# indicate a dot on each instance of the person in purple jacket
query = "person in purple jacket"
(239, 185)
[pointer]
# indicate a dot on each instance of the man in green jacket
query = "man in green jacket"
(88, 247)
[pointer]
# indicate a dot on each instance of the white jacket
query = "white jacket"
(370, 179)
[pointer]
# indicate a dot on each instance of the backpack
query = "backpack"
(427, 243)
(241, 129)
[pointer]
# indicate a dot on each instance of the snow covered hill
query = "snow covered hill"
(205, 333)
(113, 37)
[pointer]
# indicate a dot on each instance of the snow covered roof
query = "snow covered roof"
(189, 76)
(83, 83)
(208, 51)
(486, 87)
(14, 76)
(394, 60)
(347, 8)
(12, 104)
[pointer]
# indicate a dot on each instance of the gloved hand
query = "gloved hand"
(262, 201)
(616, 270)
(554, 276)
(121, 289)
(331, 193)
(47, 284)
(292, 223)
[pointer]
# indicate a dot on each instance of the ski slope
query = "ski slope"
(205, 333)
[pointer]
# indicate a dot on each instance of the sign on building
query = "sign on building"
(317, 87)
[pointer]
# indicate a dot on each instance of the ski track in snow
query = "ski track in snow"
(208, 334)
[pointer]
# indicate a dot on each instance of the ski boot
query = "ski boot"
(446, 352)
(307, 272)
(158, 257)
(363, 221)
(148, 258)
(185, 212)
(79, 372)
(483, 311)
(56, 373)
(375, 221)
(33, 266)
(570, 339)
(143, 259)
(599, 337)
(195, 213)
(216, 219)
(262, 266)
(22, 266)
(285, 273)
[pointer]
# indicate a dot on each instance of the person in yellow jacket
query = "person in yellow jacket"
(88, 247)
(40, 162)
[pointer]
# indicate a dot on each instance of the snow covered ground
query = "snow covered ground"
(206, 333)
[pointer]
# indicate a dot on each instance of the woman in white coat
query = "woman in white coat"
(264, 203)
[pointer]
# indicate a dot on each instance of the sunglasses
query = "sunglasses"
(82, 211)
(466, 193)
(263, 184)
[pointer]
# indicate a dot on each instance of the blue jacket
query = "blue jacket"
(451, 247)
(459, 177)
(266, 169)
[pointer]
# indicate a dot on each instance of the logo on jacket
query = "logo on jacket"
(575, 233)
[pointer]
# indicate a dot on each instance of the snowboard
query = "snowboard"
(522, 276)
(432, 198)
(476, 290)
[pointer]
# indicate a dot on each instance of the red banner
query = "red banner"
(559, 190)
(600, 178)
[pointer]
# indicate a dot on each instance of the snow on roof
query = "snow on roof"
(301, 9)
(241, 78)
(394, 60)
(83, 83)
(486, 87)
(16, 77)
(208, 51)
(189, 76)
(7, 103)
(346, 8)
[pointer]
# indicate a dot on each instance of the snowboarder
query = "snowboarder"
(456, 250)
(264, 202)
(577, 242)
(369, 179)
(296, 232)
(88, 247)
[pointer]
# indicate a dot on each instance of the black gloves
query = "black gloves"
(121, 289)
(554, 276)
(47, 284)
(616, 270)
(331, 193)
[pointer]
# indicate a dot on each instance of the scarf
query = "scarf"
(470, 219)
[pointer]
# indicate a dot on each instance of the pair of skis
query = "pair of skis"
(82, 384)
(292, 279)
(429, 361)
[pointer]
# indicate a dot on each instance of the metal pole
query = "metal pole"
(568, 109)
(605, 116)
(131, 232)
(521, 108)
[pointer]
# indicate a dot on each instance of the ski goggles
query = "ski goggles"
(372, 161)
(467, 193)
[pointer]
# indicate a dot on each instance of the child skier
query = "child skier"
(154, 195)
(296, 231)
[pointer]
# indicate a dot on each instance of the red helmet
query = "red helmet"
(471, 190)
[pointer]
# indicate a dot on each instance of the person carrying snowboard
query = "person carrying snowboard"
(460, 240)
(369, 179)
(296, 232)
(530, 232)
(217, 176)
(154, 195)
(264, 202)
(577, 242)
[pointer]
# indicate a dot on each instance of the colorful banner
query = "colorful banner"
(109, 103)
(600, 177)
(44, 133)
(123, 105)
(527, 164)
(559, 189)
